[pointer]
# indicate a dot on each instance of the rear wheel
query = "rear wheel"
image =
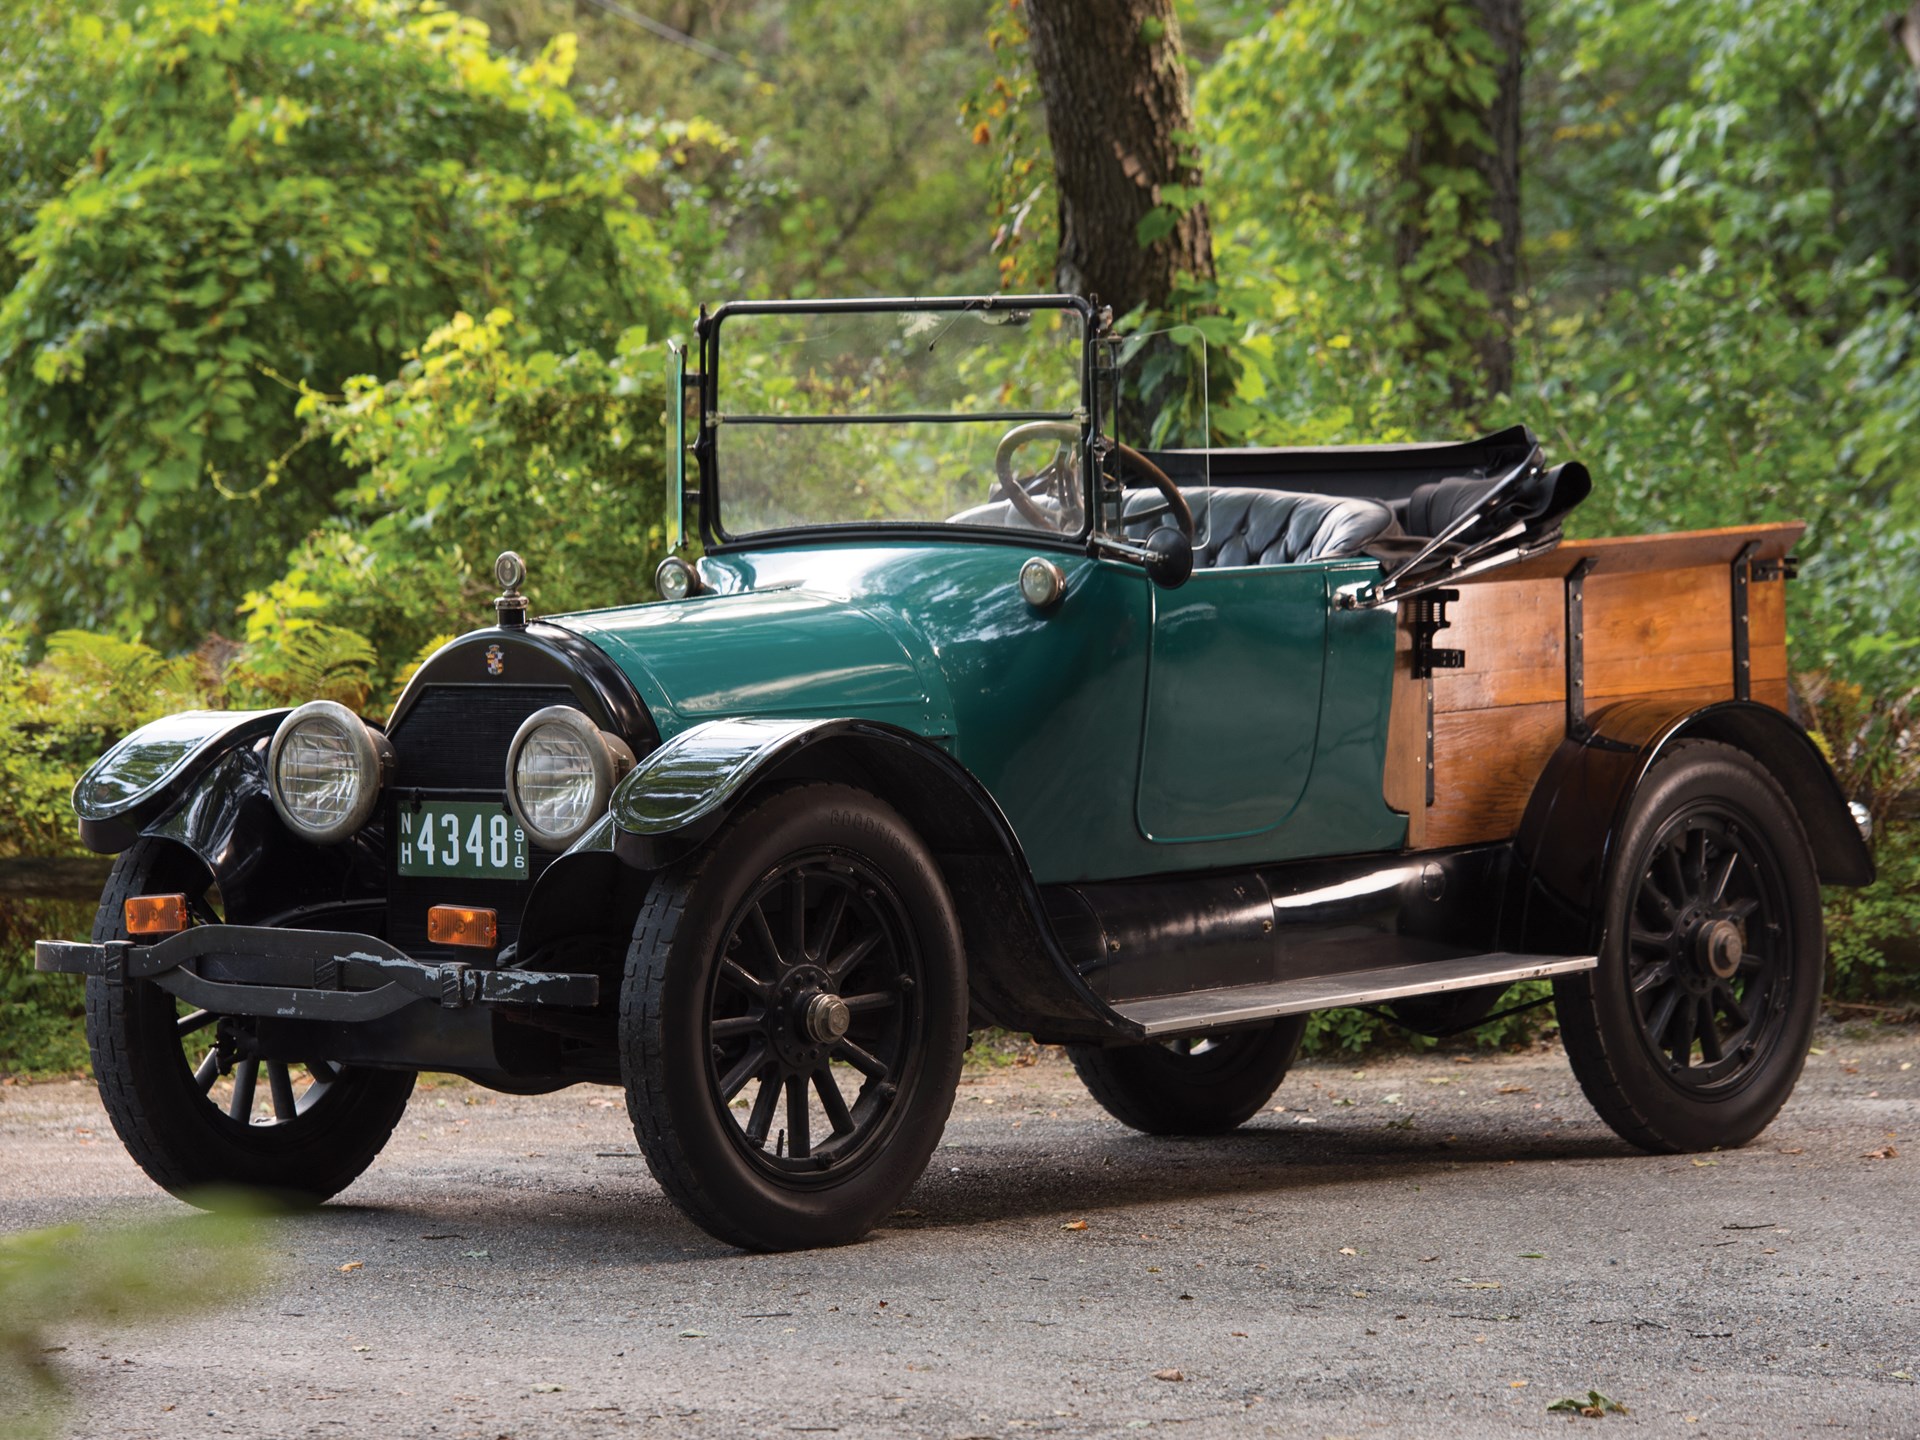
(196, 1106)
(1196, 1085)
(793, 1020)
(1692, 1031)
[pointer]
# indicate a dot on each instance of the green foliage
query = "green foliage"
(478, 445)
(1352, 236)
(56, 717)
(856, 177)
(1004, 116)
(232, 200)
(1354, 1032)
(1873, 934)
(75, 1274)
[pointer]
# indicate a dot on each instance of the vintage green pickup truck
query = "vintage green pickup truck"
(986, 702)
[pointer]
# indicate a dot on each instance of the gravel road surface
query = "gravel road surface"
(1427, 1247)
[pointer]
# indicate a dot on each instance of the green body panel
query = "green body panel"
(1045, 709)
(1237, 661)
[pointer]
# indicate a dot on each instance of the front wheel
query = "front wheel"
(1196, 1085)
(793, 1020)
(198, 1108)
(1691, 1033)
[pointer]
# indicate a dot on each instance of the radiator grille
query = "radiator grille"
(452, 744)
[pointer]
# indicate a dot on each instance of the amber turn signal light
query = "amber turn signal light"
(459, 925)
(156, 914)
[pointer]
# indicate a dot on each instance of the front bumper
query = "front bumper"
(307, 974)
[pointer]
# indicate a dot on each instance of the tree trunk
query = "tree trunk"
(1491, 266)
(1115, 92)
(1494, 269)
(1906, 30)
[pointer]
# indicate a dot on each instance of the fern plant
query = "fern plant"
(309, 662)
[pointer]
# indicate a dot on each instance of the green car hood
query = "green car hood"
(788, 651)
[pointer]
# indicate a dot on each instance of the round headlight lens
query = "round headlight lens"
(325, 769)
(555, 778)
(561, 772)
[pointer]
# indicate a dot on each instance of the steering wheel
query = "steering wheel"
(1174, 501)
(1058, 480)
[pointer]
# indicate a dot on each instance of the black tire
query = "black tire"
(716, 1001)
(1198, 1085)
(1691, 1033)
(329, 1121)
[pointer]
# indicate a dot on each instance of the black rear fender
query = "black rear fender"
(1579, 805)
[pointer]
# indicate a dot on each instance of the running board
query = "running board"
(1209, 1009)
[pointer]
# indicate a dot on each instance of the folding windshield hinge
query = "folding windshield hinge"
(1426, 620)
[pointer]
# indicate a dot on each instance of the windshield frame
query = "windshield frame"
(712, 492)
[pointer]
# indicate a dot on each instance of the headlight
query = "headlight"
(561, 771)
(324, 769)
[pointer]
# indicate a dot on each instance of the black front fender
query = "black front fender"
(678, 796)
(1574, 819)
(146, 773)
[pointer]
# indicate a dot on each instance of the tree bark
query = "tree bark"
(1115, 93)
(1492, 267)
(1906, 30)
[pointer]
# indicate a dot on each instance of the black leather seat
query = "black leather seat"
(1267, 527)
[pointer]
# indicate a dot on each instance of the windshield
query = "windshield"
(956, 412)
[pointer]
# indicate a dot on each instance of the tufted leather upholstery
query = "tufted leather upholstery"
(1268, 527)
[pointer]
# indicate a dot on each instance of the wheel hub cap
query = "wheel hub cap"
(827, 1018)
(1720, 948)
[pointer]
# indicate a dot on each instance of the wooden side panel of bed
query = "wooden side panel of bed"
(1658, 622)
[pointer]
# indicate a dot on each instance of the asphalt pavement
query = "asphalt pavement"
(1429, 1246)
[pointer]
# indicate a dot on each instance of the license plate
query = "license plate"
(477, 839)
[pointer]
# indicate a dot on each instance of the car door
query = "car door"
(1236, 664)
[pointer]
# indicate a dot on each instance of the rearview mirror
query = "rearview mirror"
(1169, 558)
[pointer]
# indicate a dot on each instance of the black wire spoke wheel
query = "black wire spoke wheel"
(793, 1019)
(1709, 959)
(198, 1100)
(814, 1016)
(1193, 1084)
(1691, 1032)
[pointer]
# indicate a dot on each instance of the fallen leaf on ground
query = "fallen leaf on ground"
(1885, 1152)
(1074, 1225)
(1348, 1250)
(546, 1389)
(1594, 1407)
(693, 1334)
(1516, 1090)
(1516, 1385)
(1479, 1284)
(351, 1266)
(1703, 1164)
(1168, 1375)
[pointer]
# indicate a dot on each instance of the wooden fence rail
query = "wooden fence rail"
(54, 877)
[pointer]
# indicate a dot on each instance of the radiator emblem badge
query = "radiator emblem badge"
(496, 660)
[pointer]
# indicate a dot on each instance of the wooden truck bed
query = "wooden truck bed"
(1655, 617)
